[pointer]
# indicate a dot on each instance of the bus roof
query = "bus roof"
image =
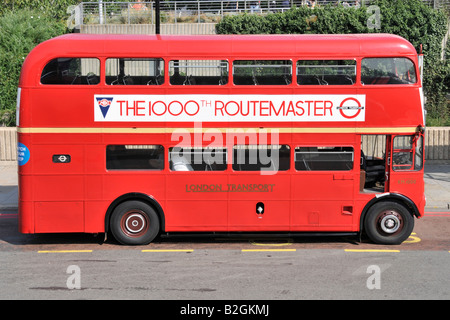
(309, 46)
(355, 44)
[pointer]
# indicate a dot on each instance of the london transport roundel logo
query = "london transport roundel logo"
(348, 106)
(104, 104)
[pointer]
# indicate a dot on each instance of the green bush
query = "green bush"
(56, 9)
(411, 19)
(20, 32)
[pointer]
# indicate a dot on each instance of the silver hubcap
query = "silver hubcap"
(390, 223)
(135, 223)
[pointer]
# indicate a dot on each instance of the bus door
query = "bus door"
(197, 192)
(323, 188)
(405, 165)
(258, 188)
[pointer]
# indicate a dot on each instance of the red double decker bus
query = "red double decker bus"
(142, 135)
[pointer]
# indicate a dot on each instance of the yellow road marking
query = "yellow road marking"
(268, 250)
(169, 250)
(253, 242)
(412, 238)
(64, 251)
(370, 250)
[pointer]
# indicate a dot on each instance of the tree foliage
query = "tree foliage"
(411, 19)
(56, 9)
(20, 32)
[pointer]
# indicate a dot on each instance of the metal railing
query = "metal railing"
(143, 12)
(171, 12)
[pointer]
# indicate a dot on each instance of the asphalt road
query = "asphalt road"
(80, 266)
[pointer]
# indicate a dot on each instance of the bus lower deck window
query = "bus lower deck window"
(134, 71)
(135, 157)
(261, 157)
(198, 159)
(71, 71)
(324, 158)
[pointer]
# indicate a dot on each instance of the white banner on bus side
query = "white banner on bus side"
(229, 108)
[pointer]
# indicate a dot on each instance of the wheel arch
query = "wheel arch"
(396, 197)
(139, 197)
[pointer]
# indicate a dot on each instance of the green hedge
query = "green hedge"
(20, 32)
(56, 9)
(411, 19)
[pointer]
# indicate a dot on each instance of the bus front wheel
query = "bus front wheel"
(388, 223)
(134, 223)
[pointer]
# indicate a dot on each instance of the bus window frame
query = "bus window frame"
(168, 59)
(416, 70)
(309, 170)
(105, 59)
(417, 141)
(258, 58)
(101, 72)
(170, 163)
(320, 58)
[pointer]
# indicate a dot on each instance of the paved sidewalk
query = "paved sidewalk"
(8, 187)
(437, 186)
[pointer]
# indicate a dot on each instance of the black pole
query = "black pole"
(158, 20)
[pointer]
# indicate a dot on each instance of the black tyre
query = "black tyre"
(134, 223)
(388, 223)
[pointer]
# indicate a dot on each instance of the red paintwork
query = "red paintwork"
(75, 197)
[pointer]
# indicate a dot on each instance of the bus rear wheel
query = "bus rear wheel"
(388, 223)
(134, 223)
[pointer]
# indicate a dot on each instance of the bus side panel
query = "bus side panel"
(251, 190)
(26, 212)
(59, 216)
(411, 185)
(196, 201)
(57, 188)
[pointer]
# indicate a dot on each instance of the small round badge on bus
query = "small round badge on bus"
(61, 158)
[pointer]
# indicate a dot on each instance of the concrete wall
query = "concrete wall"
(437, 144)
(8, 144)
(166, 28)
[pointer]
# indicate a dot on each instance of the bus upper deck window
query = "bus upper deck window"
(72, 71)
(134, 71)
(198, 72)
(326, 72)
(376, 71)
(262, 72)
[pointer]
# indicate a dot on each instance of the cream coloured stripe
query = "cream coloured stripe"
(222, 130)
